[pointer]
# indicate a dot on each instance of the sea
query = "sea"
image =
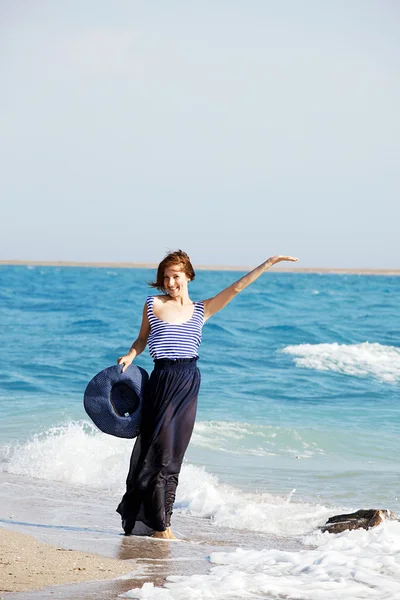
(298, 420)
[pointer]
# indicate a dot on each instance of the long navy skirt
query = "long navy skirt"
(168, 415)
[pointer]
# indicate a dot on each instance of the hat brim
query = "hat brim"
(113, 400)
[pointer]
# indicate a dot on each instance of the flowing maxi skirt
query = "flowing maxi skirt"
(168, 415)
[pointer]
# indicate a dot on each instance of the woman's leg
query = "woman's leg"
(168, 417)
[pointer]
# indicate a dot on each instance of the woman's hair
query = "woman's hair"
(172, 258)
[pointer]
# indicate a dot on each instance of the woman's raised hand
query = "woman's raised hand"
(276, 259)
(125, 360)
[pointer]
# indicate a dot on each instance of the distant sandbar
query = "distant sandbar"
(123, 265)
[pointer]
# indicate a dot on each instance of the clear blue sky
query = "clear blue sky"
(231, 129)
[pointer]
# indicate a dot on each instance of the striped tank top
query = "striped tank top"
(167, 340)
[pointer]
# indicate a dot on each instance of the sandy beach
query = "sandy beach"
(121, 265)
(28, 564)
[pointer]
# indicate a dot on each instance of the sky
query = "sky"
(234, 130)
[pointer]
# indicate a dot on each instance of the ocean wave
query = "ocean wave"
(201, 494)
(92, 326)
(218, 330)
(360, 360)
(253, 440)
(79, 454)
(76, 453)
(287, 333)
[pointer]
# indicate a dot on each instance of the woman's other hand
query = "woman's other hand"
(125, 360)
(276, 259)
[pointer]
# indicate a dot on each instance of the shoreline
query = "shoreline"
(29, 564)
(134, 265)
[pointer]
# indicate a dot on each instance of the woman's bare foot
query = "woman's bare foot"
(170, 534)
(164, 535)
(161, 535)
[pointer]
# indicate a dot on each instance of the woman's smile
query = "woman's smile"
(175, 280)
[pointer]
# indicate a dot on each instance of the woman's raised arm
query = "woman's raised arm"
(139, 344)
(213, 305)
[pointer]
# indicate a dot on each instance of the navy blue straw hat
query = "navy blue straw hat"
(113, 400)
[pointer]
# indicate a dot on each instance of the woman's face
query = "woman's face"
(175, 280)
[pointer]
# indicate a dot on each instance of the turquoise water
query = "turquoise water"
(300, 374)
(298, 420)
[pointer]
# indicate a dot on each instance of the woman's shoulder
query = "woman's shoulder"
(158, 299)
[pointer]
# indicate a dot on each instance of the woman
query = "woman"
(172, 327)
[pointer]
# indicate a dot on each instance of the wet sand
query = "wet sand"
(286, 269)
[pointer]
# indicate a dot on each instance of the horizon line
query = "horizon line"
(139, 265)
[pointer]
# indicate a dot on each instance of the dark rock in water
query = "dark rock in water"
(361, 519)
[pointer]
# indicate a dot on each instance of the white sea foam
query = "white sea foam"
(353, 565)
(382, 362)
(79, 454)
(202, 495)
(75, 453)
